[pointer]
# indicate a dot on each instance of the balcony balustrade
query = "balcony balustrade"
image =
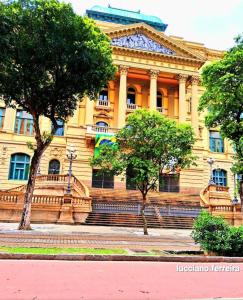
(102, 103)
(132, 107)
(93, 129)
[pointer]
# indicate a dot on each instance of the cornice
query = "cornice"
(157, 56)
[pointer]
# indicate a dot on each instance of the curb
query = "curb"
(80, 257)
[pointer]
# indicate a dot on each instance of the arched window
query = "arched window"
(60, 129)
(220, 177)
(159, 100)
(103, 95)
(54, 167)
(19, 166)
(101, 126)
(131, 96)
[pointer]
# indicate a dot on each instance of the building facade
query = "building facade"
(155, 71)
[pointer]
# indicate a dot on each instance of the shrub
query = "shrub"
(212, 233)
(215, 235)
(235, 241)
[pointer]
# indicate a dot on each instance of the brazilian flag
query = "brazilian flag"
(101, 139)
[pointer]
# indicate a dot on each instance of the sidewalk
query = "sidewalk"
(84, 236)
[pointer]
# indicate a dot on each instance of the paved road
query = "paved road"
(64, 280)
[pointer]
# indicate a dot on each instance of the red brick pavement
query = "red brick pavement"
(38, 239)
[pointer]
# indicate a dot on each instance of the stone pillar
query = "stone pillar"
(182, 98)
(194, 105)
(171, 100)
(122, 103)
(153, 89)
(9, 119)
(89, 112)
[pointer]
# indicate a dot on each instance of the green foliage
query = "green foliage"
(223, 97)
(149, 144)
(50, 57)
(235, 241)
(215, 235)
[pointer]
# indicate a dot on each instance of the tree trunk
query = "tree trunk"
(145, 227)
(241, 196)
(25, 219)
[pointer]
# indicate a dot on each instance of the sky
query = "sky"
(214, 23)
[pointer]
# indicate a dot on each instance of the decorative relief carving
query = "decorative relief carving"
(154, 74)
(123, 70)
(56, 152)
(195, 80)
(3, 156)
(182, 78)
(142, 42)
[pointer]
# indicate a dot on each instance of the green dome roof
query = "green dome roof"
(122, 16)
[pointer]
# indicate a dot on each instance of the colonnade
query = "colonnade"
(182, 78)
(180, 107)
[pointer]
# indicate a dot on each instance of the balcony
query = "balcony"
(131, 107)
(103, 104)
(92, 130)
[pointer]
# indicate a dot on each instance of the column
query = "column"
(182, 98)
(194, 112)
(153, 89)
(122, 103)
(9, 119)
(171, 102)
(89, 112)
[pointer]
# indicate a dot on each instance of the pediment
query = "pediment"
(145, 38)
(142, 42)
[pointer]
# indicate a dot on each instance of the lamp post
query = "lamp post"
(71, 155)
(234, 200)
(211, 161)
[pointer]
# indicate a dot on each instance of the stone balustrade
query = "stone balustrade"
(103, 103)
(218, 202)
(131, 107)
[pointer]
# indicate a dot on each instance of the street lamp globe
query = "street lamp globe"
(211, 161)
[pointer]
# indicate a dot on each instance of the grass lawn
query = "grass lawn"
(26, 250)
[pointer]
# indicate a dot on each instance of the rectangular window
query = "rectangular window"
(60, 129)
(2, 115)
(216, 142)
(23, 123)
(169, 183)
(102, 180)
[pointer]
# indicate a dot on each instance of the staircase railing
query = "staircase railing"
(77, 184)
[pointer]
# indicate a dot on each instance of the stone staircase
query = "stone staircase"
(132, 220)
(122, 208)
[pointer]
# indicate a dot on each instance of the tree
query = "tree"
(223, 98)
(49, 59)
(149, 144)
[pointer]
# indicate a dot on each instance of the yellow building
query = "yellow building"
(157, 72)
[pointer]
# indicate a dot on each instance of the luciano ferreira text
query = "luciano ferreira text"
(207, 268)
